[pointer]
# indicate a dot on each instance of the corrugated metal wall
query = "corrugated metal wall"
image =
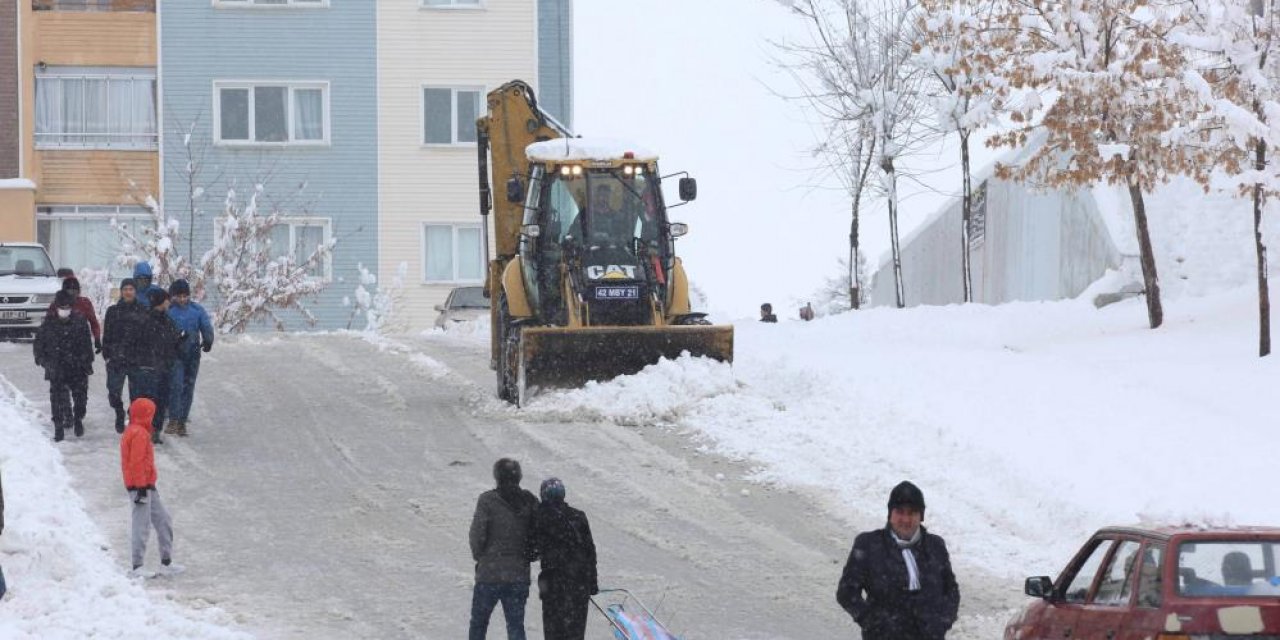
(1036, 246)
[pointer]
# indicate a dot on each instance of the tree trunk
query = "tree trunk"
(891, 182)
(854, 279)
(966, 217)
(1150, 280)
(1264, 295)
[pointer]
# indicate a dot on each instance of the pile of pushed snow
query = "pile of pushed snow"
(468, 332)
(62, 582)
(1028, 425)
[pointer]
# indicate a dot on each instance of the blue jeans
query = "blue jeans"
(486, 596)
(182, 385)
(145, 382)
(116, 374)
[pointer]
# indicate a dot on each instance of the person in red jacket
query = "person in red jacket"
(137, 461)
(84, 307)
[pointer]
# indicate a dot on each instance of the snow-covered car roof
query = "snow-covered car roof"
(605, 149)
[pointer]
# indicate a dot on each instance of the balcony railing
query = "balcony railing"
(136, 6)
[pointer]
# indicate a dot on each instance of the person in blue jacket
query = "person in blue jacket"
(142, 283)
(192, 320)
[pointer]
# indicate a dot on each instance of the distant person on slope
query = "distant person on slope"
(498, 540)
(193, 322)
(560, 537)
(137, 461)
(898, 583)
(766, 313)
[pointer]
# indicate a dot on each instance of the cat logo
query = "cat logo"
(612, 272)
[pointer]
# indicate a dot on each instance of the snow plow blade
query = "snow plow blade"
(558, 356)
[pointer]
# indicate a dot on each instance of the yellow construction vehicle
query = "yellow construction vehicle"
(584, 282)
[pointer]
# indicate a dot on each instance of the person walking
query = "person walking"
(118, 333)
(138, 464)
(898, 583)
(560, 538)
(498, 535)
(766, 313)
(193, 322)
(64, 349)
(142, 281)
(84, 307)
(150, 353)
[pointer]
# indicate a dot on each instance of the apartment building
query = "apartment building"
(86, 126)
(436, 61)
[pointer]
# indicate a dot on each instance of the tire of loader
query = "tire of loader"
(501, 371)
(509, 370)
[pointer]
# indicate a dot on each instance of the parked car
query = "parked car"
(1160, 584)
(463, 304)
(28, 283)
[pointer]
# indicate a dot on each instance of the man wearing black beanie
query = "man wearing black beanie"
(898, 583)
(118, 332)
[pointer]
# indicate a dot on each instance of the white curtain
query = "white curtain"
(49, 117)
(308, 114)
(97, 112)
(439, 252)
(470, 265)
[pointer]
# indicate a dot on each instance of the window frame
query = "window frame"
(291, 86)
(453, 114)
(453, 226)
(478, 5)
(254, 4)
(54, 213)
(107, 73)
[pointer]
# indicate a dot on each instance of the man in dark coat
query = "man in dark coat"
(898, 583)
(498, 541)
(118, 330)
(560, 537)
(82, 306)
(64, 348)
(150, 353)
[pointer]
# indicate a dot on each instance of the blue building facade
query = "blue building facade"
(281, 93)
(555, 59)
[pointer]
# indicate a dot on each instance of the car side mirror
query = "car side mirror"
(1039, 587)
(688, 189)
(515, 191)
(679, 229)
(440, 307)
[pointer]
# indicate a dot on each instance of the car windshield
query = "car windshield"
(468, 298)
(24, 261)
(1229, 569)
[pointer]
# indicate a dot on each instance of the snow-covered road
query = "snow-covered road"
(328, 483)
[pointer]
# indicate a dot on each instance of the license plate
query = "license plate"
(13, 315)
(618, 293)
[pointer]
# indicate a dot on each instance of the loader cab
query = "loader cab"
(594, 219)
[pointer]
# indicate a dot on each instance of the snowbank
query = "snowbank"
(62, 581)
(1028, 425)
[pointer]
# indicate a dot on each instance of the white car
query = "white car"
(462, 305)
(28, 283)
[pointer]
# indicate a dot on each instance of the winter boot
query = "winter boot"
(170, 568)
(171, 429)
(79, 427)
(58, 433)
(120, 420)
(182, 428)
(155, 438)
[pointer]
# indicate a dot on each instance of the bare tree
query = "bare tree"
(1118, 79)
(858, 73)
(1239, 77)
(951, 48)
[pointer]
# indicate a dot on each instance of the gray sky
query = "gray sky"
(693, 80)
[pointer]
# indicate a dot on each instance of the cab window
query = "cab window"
(1078, 585)
(1116, 586)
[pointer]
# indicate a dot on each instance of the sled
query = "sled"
(628, 617)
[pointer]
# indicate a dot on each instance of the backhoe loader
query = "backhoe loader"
(584, 283)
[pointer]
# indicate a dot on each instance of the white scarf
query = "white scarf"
(913, 571)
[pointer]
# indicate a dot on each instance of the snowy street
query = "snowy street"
(327, 487)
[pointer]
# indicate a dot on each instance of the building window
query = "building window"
(298, 238)
(451, 4)
(95, 108)
(270, 3)
(94, 5)
(294, 113)
(81, 237)
(451, 253)
(449, 114)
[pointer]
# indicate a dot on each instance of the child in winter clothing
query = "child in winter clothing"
(64, 349)
(193, 322)
(137, 461)
(560, 537)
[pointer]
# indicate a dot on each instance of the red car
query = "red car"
(1160, 584)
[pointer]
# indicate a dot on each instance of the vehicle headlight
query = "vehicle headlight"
(37, 298)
